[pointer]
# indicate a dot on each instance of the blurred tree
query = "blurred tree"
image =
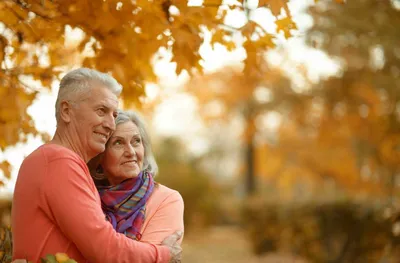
(347, 129)
(180, 171)
(234, 93)
(120, 37)
(344, 129)
(362, 106)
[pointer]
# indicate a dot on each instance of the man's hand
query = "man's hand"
(174, 248)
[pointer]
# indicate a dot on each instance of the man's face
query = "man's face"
(94, 120)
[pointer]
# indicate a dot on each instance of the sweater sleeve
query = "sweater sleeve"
(167, 219)
(73, 206)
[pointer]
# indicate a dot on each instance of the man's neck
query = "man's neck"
(64, 139)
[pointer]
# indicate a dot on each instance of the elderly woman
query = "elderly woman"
(124, 175)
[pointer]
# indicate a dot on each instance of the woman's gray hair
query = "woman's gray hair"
(149, 162)
(79, 81)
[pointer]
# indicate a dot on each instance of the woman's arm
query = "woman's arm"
(167, 218)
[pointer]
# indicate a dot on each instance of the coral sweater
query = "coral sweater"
(56, 208)
(164, 215)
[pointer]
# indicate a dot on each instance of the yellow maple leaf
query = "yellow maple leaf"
(212, 3)
(218, 37)
(286, 24)
(265, 41)
(274, 5)
(230, 45)
(6, 168)
(61, 257)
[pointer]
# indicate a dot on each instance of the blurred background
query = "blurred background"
(278, 121)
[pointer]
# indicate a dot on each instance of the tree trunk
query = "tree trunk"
(250, 133)
(250, 176)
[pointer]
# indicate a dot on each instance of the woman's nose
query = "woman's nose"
(130, 150)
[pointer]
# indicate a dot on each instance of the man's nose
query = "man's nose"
(109, 122)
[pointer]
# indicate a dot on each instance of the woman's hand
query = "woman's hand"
(174, 248)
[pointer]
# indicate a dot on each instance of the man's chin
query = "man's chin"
(98, 148)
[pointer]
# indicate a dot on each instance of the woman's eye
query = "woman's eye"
(118, 142)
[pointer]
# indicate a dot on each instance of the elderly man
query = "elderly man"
(56, 207)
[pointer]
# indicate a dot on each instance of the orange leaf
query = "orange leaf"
(6, 168)
(265, 41)
(286, 24)
(274, 5)
(212, 3)
(218, 37)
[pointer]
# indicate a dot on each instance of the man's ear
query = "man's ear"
(65, 111)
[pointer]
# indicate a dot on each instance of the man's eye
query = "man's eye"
(101, 111)
(118, 142)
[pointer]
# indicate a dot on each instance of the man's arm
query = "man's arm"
(74, 208)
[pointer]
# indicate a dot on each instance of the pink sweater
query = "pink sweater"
(56, 208)
(164, 215)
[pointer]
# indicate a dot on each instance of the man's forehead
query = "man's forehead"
(101, 95)
(110, 102)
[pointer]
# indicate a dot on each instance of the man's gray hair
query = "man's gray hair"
(149, 162)
(79, 81)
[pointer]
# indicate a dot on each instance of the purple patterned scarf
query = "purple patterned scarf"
(125, 204)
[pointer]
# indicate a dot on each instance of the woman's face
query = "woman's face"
(123, 157)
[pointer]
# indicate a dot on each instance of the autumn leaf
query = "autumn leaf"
(212, 3)
(61, 257)
(185, 49)
(274, 5)
(265, 41)
(286, 25)
(248, 29)
(3, 44)
(219, 37)
(6, 168)
(390, 149)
